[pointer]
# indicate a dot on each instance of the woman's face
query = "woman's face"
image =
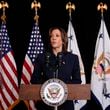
(56, 39)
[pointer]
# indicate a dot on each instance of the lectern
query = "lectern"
(75, 92)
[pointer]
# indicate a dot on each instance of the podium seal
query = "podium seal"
(54, 92)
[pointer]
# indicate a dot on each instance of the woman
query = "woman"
(59, 59)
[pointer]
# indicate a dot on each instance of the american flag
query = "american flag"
(8, 71)
(36, 47)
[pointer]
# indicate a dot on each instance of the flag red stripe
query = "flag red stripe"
(25, 79)
(5, 99)
(11, 64)
(13, 69)
(1, 106)
(28, 67)
(30, 108)
(10, 92)
(9, 77)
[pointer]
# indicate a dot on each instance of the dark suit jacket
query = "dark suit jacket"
(68, 71)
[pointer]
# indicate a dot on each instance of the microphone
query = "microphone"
(59, 58)
(47, 59)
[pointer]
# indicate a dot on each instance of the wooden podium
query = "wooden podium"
(75, 92)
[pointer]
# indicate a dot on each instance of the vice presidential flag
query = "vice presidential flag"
(8, 72)
(35, 47)
(100, 76)
(73, 47)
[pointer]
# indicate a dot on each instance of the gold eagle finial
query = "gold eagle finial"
(70, 6)
(36, 5)
(3, 5)
(102, 7)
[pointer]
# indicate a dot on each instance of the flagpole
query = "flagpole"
(36, 5)
(101, 7)
(70, 6)
(3, 6)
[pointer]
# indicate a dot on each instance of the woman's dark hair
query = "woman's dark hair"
(63, 36)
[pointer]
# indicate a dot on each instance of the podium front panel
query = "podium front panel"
(75, 92)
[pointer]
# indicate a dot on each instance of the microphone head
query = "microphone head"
(47, 58)
(47, 54)
(59, 55)
(59, 58)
